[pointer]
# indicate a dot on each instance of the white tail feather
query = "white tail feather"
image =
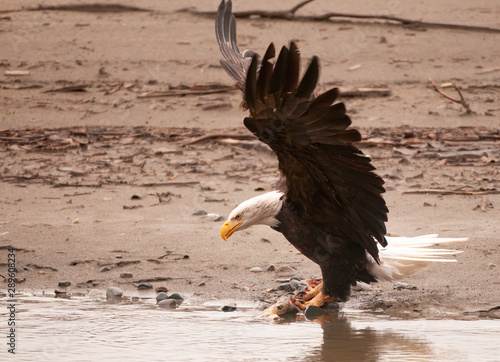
(404, 256)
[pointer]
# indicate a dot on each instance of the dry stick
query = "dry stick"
(220, 135)
(89, 8)
(451, 192)
(169, 183)
(290, 15)
(177, 93)
(459, 101)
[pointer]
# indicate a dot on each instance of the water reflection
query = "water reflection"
(344, 342)
(82, 329)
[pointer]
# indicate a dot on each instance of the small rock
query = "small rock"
(177, 297)
(76, 221)
(283, 280)
(285, 269)
(214, 217)
(167, 304)
(271, 268)
(360, 286)
(161, 289)
(64, 284)
(114, 293)
(161, 296)
(19, 280)
(126, 275)
(104, 269)
(229, 308)
(294, 284)
(492, 265)
(61, 294)
(264, 240)
(118, 256)
(296, 277)
(199, 212)
(144, 286)
(401, 285)
(432, 312)
(202, 284)
(256, 269)
(135, 299)
(286, 287)
(312, 312)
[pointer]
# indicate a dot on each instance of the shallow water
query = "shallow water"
(82, 329)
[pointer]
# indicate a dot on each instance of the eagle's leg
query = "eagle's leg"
(314, 292)
(319, 299)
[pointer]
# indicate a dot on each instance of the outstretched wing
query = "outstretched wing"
(234, 63)
(326, 178)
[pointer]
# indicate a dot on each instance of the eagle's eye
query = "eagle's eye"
(237, 217)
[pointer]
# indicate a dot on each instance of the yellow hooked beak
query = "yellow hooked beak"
(229, 228)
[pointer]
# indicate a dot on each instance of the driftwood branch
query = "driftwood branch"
(459, 101)
(291, 15)
(88, 8)
(453, 192)
(220, 135)
(186, 92)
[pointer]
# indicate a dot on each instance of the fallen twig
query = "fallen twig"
(71, 88)
(169, 183)
(186, 92)
(220, 135)
(459, 101)
(291, 15)
(88, 8)
(364, 92)
(453, 192)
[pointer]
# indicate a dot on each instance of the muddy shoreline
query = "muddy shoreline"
(95, 172)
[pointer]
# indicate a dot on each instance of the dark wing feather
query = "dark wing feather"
(234, 63)
(327, 179)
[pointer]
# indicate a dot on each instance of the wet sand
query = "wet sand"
(69, 233)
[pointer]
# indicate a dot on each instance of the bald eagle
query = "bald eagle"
(328, 202)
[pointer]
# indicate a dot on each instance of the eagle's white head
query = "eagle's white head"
(259, 210)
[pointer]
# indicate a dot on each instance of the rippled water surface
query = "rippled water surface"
(82, 329)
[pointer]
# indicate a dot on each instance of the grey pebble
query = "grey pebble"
(256, 269)
(161, 296)
(167, 304)
(114, 293)
(64, 284)
(229, 308)
(286, 287)
(104, 269)
(401, 285)
(144, 286)
(312, 312)
(199, 212)
(283, 280)
(295, 284)
(271, 268)
(177, 297)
